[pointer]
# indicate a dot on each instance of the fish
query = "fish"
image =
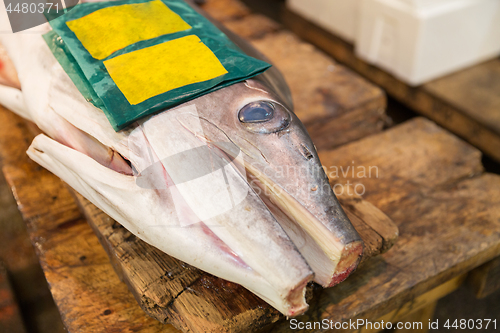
(229, 182)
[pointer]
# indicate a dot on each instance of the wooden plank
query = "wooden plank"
(171, 291)
(252, 26)
(485, 280)
(431, 184)
(336, 105)
(421, 307)
(475, 91)
(10, 316)
(465, 102)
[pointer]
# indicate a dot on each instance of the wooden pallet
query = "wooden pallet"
(466, 102)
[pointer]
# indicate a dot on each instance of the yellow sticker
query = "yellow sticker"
(113, 28)
(154, 70)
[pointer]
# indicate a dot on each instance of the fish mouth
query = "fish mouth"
(330, 257)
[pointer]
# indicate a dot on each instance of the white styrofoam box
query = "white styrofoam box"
(337, 16)
(419, 40)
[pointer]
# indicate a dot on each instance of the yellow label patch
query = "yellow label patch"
(154, 70)
(113, 28)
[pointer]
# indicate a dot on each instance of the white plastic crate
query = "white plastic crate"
(336, 16)
(419, 40)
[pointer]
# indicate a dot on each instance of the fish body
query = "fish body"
(229, 182)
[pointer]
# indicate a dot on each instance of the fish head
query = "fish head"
(270, 145)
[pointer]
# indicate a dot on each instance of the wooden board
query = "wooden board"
(466, 102)
(336, 105)
(424, 183)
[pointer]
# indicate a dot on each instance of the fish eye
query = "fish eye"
(256, 112)
(264, 117)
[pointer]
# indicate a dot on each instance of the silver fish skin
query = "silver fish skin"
(248, 202)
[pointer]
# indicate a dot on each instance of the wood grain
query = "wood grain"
(466, 102)
(419, 306)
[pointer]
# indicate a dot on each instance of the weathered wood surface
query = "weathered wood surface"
(466, 102)
(336, 105)
(428, 181)
(10, 317)
(485, 280)
(25, 274)
(420, 308)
